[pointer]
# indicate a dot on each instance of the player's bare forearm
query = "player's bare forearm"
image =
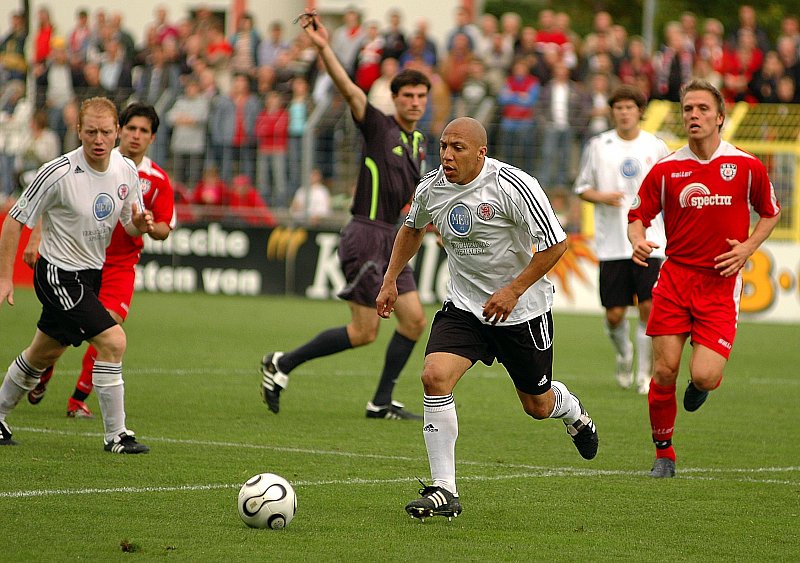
(353, 95)
(593, 195)
(161, 231)
(32, 248)
(406, 245)
(541, 263)
(642, 248)
(9, 241)
(502, 302)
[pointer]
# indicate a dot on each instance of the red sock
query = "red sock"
(85, 380)
(663, 410)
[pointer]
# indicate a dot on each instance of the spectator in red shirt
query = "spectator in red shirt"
(43, 37)
(738, 67)
(245, 204)
(272, 137)
(211, 193)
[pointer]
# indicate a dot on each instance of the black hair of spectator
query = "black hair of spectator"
(628, 92)
(409, 77)
(138, 109)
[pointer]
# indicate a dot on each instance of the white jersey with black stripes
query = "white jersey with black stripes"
(79, 207)
(489, 229)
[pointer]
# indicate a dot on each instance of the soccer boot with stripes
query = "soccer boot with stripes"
(273, 382)
(5, 435)
(36, 394)
(663, 468)
(393, 411)
(125, 443)
(584, 434)
(435, 501)
(693, 398)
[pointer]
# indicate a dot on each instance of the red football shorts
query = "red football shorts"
(702, 304)
(116, 291)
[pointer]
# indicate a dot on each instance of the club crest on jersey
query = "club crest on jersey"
(727, 170)
(485, 211)
(630, 168)
(122, 191)
(460, 220)
(103, 206)
(145, 185)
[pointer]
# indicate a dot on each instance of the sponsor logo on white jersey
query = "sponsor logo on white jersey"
(727, 170)
(485, 211)
(630, 168)
(460, 220)
(103, 206)
(699, 196)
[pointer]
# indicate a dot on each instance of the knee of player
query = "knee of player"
(537, 409)
(435, 381)
(363, 336)
(706, 381)
(111, 344)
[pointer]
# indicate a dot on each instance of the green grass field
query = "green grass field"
(192, 396)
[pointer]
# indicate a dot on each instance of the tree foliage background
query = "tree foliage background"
(629, 12)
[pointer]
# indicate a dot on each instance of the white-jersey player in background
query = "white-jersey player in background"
(612, 169)
(79, 197)
(490, 216)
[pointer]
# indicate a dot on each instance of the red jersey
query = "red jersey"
(124, 250)
(704, 202)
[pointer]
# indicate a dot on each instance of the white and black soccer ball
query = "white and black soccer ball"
(267, 500)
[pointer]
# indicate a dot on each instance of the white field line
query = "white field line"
(529, 471)
(307, 372)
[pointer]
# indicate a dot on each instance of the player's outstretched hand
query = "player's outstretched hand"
(311, 24)
(387, 297)
(142, 219)
(6, 292)
(734, 260)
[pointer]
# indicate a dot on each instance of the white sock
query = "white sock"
(620, 338)
(644, 353)
(107, 380)
(567, 407)
(20, 378)
(440, 429)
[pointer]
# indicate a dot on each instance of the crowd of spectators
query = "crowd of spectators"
(237, 106)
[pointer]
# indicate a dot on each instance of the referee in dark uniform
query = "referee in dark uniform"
(390, 170)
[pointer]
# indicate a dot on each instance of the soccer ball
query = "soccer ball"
(267, 500)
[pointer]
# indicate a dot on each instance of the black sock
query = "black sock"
(397, 355)
(325, 343)
(79, 395)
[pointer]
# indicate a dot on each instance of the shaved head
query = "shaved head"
(462, 150)
(469, 129)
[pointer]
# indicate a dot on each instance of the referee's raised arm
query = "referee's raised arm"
(353, 95)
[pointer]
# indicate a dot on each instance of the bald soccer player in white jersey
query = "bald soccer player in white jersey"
(80, 197)
(491, 217)
(613, 167)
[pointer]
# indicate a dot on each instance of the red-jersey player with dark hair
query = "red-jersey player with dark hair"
(138, 127)
(705, 190)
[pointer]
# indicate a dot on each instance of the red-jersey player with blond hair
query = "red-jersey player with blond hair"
(705, 190)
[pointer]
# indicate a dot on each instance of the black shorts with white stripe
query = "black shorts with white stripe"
(524, 349)
(71, 310)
